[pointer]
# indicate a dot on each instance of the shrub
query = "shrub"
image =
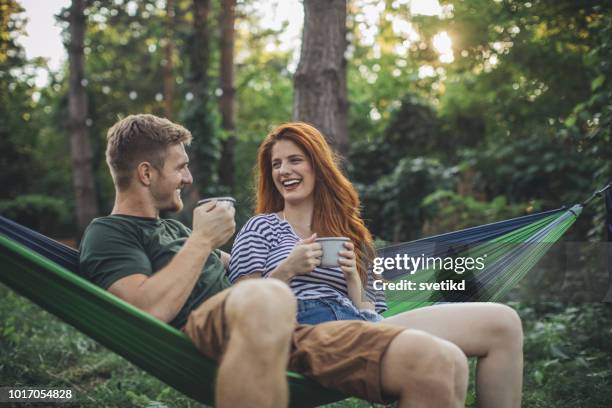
(48, 215)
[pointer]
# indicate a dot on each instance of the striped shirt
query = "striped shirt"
(266, 240)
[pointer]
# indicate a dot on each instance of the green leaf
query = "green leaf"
(470, 399)
(538, 376)
(597, 82)
(557, 352)
(570, 121)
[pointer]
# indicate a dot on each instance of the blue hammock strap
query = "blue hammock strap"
(55, 251)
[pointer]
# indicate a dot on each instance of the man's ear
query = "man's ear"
(144, 172)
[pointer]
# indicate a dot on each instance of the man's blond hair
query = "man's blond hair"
(139, 138)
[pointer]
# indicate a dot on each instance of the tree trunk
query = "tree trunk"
(197, 115)
(169, 65)
(86, 205)
(227, 101)
(320, 95)
(200, 47)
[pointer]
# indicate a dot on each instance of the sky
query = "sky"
(44, 35)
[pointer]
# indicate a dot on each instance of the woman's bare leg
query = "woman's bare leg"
(424, 371)
(492, 332)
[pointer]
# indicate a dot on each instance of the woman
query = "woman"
(302, 194)
(280, 243)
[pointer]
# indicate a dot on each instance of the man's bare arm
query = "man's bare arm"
(164, 293)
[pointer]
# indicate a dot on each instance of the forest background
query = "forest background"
(485, 111)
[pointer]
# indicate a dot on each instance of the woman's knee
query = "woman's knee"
(506, 325)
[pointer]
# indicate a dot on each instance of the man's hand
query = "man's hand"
(213, 223)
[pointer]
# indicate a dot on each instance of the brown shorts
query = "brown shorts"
(341, 355)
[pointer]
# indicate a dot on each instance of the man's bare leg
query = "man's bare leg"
(424, 371)
(490, 331)
(252, 373)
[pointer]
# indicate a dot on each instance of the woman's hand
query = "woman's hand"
(348, 265)
(303, 259)
(348, 262)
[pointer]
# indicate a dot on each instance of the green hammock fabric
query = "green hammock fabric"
(154, 346)
(169, 355)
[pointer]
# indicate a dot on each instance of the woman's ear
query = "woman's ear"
(144, 172)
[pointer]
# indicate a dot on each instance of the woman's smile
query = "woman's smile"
(291, 184)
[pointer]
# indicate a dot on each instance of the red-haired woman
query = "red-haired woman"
(302, 194)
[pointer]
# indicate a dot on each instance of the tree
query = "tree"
(86, 206)
(15, 107)
(198, 114)
(125, 53)
(227, 101)
(169, 62)
(527, 71)
(320, 96)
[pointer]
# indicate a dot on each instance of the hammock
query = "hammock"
(44, 271)
(507, 250)
(511, 249)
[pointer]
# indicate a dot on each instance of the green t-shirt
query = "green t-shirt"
(116, 246)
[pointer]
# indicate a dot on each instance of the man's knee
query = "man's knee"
(262, 297)
(417, 362)
(262, 309)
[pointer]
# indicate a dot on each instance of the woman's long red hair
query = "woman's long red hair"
(337, 209)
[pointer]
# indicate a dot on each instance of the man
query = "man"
(178, 276)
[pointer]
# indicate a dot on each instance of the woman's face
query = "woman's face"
(292, 172)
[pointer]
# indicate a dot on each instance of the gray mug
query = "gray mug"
(331, 246)
(223, 201)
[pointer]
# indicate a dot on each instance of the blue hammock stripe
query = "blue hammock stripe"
(55, 251)
(451, 243)
(511, 255)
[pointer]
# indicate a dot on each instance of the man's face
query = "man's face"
(166, 185)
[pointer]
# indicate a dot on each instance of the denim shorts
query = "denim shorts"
(313, 311)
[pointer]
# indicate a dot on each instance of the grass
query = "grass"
(568, 359)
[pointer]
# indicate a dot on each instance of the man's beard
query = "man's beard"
(172, 208)
(174, 205)
(168, 202)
